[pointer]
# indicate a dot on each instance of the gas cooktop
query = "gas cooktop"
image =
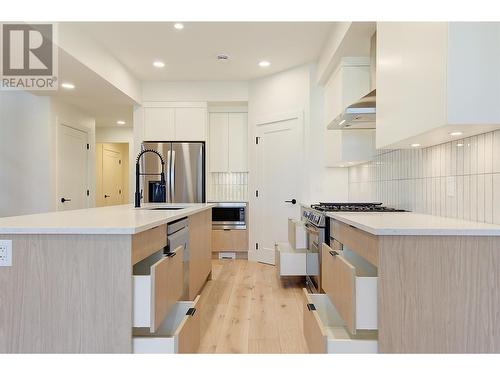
(353, 207)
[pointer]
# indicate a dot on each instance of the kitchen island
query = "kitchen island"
(70, 286)
(427, 284)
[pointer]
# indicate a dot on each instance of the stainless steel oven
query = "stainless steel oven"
(229, 215)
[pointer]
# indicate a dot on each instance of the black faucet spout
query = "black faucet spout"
(138, 192)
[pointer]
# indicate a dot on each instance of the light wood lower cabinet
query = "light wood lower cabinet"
(157, 287)
(325, 331)
(229, 240)
(364, 243)
(351, 284)
(178, 333)
(200, 251)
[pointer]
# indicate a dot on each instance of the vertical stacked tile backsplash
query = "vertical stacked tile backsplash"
(459, 179)
(228, 187)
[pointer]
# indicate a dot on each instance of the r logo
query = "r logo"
(27, 50)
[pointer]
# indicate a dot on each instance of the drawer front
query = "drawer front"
(363, 243)
(188, 333)
(229, 240)
(325, 331)
(148, 242)
(178, 333)
(156, 293)
(351, 284)
(312, 327)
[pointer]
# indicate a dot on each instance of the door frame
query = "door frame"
(255, 176)
(85, 130)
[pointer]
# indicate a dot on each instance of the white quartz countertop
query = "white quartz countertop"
(124, 219)
(413, 224)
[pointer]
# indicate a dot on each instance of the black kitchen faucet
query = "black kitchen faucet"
(138, 194)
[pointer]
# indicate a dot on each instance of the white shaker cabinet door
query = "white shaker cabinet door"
(218, 142)
(190, 124)
(238, 142)
(159, 124)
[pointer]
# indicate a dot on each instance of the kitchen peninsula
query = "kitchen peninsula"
(72, 285)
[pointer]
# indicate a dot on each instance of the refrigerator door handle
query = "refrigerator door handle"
(172, 177)
(168, 177)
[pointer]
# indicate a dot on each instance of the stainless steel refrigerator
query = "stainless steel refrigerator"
(184, 172)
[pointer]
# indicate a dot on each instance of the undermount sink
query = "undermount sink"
(166, 208)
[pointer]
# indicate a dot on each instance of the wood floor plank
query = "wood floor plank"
(247, 308)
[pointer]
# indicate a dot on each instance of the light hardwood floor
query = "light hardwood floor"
(245, 308)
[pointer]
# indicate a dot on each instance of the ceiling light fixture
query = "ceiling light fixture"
(264, 64)
(222, 57)
(415, 145)
(455, 133)
(158, 64)
(121, 122)
(179, 26)
(67, 86)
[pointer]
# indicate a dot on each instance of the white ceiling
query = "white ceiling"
(92, 94)
(190, 53)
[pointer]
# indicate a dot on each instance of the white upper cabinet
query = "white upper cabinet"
(228, 142)
(218, 142)
(349, 83)
(190, 124)
(434, 78)
(159, 124)
(175, 121)
(238, 142)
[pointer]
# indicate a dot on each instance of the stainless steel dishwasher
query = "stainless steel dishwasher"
(178, 235)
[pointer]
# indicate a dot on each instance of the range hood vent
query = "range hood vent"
(362, 113)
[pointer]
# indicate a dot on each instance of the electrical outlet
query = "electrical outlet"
(5, 253)
(451, 183)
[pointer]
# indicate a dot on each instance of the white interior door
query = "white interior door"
(112, 177)
(279, 154)
(72, 168)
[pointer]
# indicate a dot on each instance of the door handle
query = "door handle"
(106, 196)
(65, 200)
(293, 201)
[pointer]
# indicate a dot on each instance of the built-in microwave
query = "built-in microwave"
(229, 215)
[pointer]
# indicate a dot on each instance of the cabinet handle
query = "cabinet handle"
(334, 253)
(311, 307)
(227, 229)
(171, 255)
(191, 311)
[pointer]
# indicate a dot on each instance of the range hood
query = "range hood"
(362, 113)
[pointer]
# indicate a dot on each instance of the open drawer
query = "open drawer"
(295, 262)
(325, 331)
(178, 333)
(158, 281)
(351, 283)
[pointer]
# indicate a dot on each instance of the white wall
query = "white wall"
(28, 151)
(114, 134)
(291, 91)
(204, 91)
(24, 157)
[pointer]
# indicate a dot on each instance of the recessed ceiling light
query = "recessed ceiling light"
(460, 145)
(67, 85)
(264, 64)
(455, 133)
(179, 26)
(158, 64)
(121, 122)
(415, 145)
